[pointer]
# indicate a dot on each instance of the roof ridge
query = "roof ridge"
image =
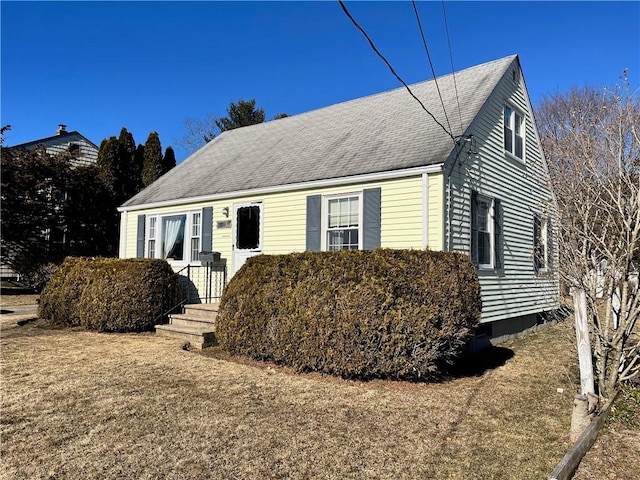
(399, 88)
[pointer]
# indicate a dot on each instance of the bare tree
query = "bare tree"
(591, 138)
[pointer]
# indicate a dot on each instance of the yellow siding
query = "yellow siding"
(402, 217)
(284, 224)
(284, 216)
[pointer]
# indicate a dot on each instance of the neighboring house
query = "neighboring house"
(82, 150)
(374, 172)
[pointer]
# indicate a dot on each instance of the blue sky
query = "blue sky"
(99, 66)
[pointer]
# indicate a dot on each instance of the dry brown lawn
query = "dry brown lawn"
(616, 453)
(86, 405)
(18, 300)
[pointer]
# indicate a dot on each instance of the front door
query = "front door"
(247, 235)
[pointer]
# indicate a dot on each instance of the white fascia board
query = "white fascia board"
(331, 182)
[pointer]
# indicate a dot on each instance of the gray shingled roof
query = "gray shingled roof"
(55, 139)
(383, 132)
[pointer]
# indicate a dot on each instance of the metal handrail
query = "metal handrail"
(219, 267)
(183, 300)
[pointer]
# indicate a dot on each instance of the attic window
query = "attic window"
(74, 149)
(514, 132)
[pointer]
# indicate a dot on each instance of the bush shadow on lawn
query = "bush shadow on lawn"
(477, 363)
(468, 365)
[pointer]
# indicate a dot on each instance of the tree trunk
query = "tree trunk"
(583, 342)
(580, 417)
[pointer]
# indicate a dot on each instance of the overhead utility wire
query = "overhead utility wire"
(424, 42)
(453, 71)
(344, 8)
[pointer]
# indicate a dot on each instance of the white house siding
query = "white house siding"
(87, 155)
(515, 291)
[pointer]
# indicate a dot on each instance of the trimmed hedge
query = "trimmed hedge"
(358, 314)
(107, 294)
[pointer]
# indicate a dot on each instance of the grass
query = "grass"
(78, 404)
(617, 447)
(10, 299)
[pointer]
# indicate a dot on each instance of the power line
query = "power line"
(453, 71)
(424, 42)
(344, 8)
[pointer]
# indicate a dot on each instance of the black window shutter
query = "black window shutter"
(140, 238)
(314, 203)
(474, 227)
(207, 229)
(371, 211)
(497, 232)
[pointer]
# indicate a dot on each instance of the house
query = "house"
(82, 152)
(375, 172)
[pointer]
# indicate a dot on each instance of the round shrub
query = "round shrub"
(109, 295)
(357, 314)
(61, 295)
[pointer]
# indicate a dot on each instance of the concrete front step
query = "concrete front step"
(207, 310)
(196, 325)
(188, 320)
(195, 336)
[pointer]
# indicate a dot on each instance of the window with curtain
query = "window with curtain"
(173, 237)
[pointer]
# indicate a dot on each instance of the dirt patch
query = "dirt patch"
(82, 404)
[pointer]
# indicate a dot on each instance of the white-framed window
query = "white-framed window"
(540, 243)
(514, 123)
(486, 231)
(175, 237)
(342, 225)
(196, 233)
(151, 237)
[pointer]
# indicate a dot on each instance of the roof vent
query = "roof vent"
(61, 129)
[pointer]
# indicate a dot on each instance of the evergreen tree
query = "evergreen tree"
(139, 161)
(152, 160)
(31, 210)
(169, 160)
(130, 166)
(91, 216)
(108, 164)
(241, 114)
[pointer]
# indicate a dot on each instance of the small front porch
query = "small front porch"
(193, 319)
